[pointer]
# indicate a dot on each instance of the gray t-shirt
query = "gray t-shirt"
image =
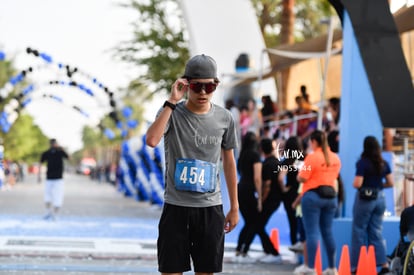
(191, 139)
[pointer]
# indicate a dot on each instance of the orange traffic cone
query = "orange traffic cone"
(371, 262)
(362, 261)
(318, 260)
(274, 238)
(344, 263)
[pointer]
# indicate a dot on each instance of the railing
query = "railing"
(404, 178)
(403, 169)
(294, 121)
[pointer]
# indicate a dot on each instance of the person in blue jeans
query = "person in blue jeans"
(369, 205)
(319, 200)
(249, 192)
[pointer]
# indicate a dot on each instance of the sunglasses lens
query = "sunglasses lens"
(208, 87)
(196, 87)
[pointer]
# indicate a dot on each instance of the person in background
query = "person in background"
(289, 175)
(250, 193)
(333, 114)
(398, 256)
(197, 135)
(268, 114)
(255, 116)
(369, 205)
(319, 200)
(334, 146)
(245, 120)
(301, 247)
(305, 126)
(305, 95)
(54, 184)
(235, 112)
(407, 224)
(272, 197)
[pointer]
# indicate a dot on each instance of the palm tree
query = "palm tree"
(287, 21)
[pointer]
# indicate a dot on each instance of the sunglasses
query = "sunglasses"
(207, 87)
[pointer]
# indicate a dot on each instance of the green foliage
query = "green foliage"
(308, 14)
(268, 14)
(76, 157)
(25, 141)
(6, 71)
(90, 137)
(158, 47)
(93, 138)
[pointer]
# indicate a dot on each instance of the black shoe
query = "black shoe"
(384, 270)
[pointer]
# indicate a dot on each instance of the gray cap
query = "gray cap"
(201, 66)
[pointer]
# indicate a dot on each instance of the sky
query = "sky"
(79, 33)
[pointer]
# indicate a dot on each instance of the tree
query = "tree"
(25, 141)
(158, 47)
(6, 71)
(308, 18)
(286, 34)
(289, 21)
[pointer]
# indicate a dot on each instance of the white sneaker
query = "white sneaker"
(48, 216)
(277, 259)
(298, 269)
(297, 247)
(261, 255)
(330, 271)
(246, 259)
(304, 270)
(236, 258)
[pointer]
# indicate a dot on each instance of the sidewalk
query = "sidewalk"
(99, 231)
(31, 255)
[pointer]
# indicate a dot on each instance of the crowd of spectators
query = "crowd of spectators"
(12, 172)
(281, 128)
(267, 121)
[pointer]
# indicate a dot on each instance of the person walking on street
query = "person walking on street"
(272, 198)
(369, 205)
(291, 164)
(197, 133)
(249, 189)
(54, 184)
(318, 174)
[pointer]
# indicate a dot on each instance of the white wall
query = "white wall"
(224, 29)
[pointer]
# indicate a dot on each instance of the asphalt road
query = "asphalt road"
(98, 231)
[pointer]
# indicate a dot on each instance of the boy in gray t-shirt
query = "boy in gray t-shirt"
(197, 133)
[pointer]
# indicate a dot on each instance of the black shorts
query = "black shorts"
(196, 232)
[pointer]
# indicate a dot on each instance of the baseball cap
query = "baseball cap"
(201, 66)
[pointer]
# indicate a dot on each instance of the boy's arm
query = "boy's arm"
(157, 128)
(230, 174)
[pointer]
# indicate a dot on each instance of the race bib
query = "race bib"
(195, 175)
